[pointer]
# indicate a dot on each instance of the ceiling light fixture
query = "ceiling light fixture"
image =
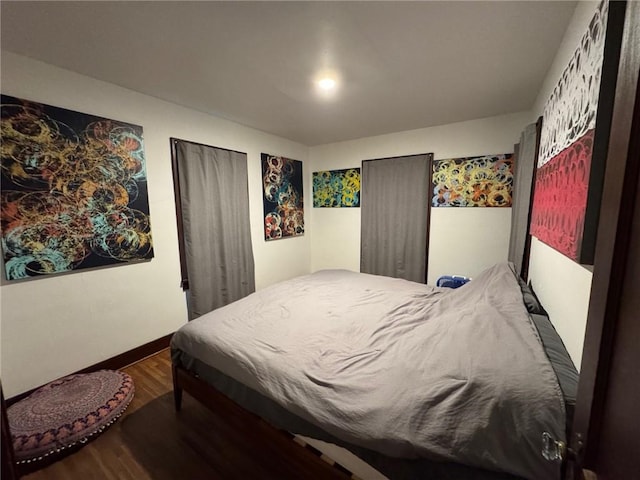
(327, 83)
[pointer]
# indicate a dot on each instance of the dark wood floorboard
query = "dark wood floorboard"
(152, 441)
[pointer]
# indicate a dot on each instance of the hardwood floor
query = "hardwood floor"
(152, 441)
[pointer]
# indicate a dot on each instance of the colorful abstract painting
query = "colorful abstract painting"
(74, 191)
(566, 146)
(336, 188)
(473, 181)
(282, 197)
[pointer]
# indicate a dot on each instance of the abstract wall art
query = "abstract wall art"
(562, 189)
(282, 197)
(336, 188)
(74, 191)
(473, 181)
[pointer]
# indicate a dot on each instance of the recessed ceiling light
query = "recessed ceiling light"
(327, 83)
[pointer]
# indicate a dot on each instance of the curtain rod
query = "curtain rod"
(177, 140)
(398, 156)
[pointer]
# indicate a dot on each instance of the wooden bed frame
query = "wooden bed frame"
(306, 457)
(214, 400)
(184, 380)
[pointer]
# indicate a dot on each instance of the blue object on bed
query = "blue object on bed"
(452, 281)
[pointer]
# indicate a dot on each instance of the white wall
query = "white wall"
(463, 240)
(56, 325)
(562, 285)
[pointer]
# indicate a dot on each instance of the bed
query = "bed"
(418, 381)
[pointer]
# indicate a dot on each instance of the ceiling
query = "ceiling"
(401, 65)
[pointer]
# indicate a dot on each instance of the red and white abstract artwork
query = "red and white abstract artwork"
(566, 145)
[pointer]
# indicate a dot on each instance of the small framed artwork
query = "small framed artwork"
(282, 197)
(484, 181)
(336, 188)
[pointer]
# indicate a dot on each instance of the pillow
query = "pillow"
(530, 299)
(561, 362)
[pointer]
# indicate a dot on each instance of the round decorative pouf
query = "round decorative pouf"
(67, 412)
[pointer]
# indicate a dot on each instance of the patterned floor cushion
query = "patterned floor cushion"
(67, 412)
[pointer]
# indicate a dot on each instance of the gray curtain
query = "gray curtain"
(395, 216)
(217, 237)
(521, 199)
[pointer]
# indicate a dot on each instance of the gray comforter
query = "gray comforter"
(398, 367)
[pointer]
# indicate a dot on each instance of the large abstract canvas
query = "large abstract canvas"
(74, 191)
(473, 181)
(282, 197)
(336, 188)
(562, 187)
